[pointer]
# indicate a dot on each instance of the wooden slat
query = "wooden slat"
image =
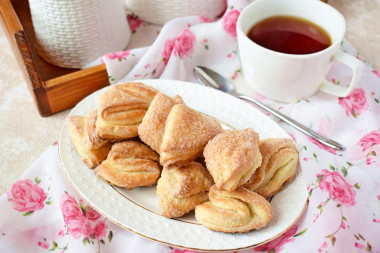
(21, 49)
(9, 19)
(66, 91)
(26, 53)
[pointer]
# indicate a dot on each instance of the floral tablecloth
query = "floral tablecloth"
(42, 212)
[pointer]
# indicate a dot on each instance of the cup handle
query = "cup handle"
(357, 69)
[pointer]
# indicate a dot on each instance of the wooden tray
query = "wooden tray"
(54, 89)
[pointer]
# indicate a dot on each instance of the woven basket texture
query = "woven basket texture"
(72, 33)
(161, 11)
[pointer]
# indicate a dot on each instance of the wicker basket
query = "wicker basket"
(161, 11)
(71, 33)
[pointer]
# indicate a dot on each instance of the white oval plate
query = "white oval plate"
(138, 211)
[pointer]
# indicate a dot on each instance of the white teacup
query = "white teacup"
(291, 77)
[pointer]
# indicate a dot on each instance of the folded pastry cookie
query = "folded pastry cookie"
(91, 149)
(186, 134)
(232, 157)
(234, 211)
(121, 109)
(93, 140)
(180, 190)
(280, 159)
(151, 129)
(130, 164)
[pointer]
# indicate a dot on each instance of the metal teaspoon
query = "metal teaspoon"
(215, 80)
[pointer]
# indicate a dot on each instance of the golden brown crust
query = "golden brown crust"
(188, 180)
(91, 157)
(121, 109)
(186, 134)
(180, 190)
(151, 129)
(115, 132)
(232, 157)
(130, 164)
(234, 211)
(93, 140)
(280, 159)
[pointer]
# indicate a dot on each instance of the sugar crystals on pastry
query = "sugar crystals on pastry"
(186, 134)
(280, 159)
(151, 129)
(93, 140)
(232, 157)
(181, 189)
(235, 211)
(91, 149)
(121, 109)
(130, 164)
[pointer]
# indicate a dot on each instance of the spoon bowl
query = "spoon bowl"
(212, 79)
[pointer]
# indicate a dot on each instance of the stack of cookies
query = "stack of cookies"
(138, 136)
(246, 171)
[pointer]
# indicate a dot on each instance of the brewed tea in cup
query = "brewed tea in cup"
(290, 35)
(286, 48)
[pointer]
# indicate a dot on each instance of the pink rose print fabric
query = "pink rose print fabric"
(181, 46)
(182, 251)
(43, 245)
(122, 55)
(369, 140)
(82, 221)
(322, 146)
(168, 48)
(278, 244)
(26, 196)
(42, 212)
(134, 22)
(184, 43)
(366, 149)
(229, 22)
(376, 72)
(354, 104)
(337, 187)
(75, 220)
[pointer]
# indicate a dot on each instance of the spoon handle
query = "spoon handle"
(328, 142)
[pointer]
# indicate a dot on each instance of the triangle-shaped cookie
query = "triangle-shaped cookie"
(151, 130)
(186, 134)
